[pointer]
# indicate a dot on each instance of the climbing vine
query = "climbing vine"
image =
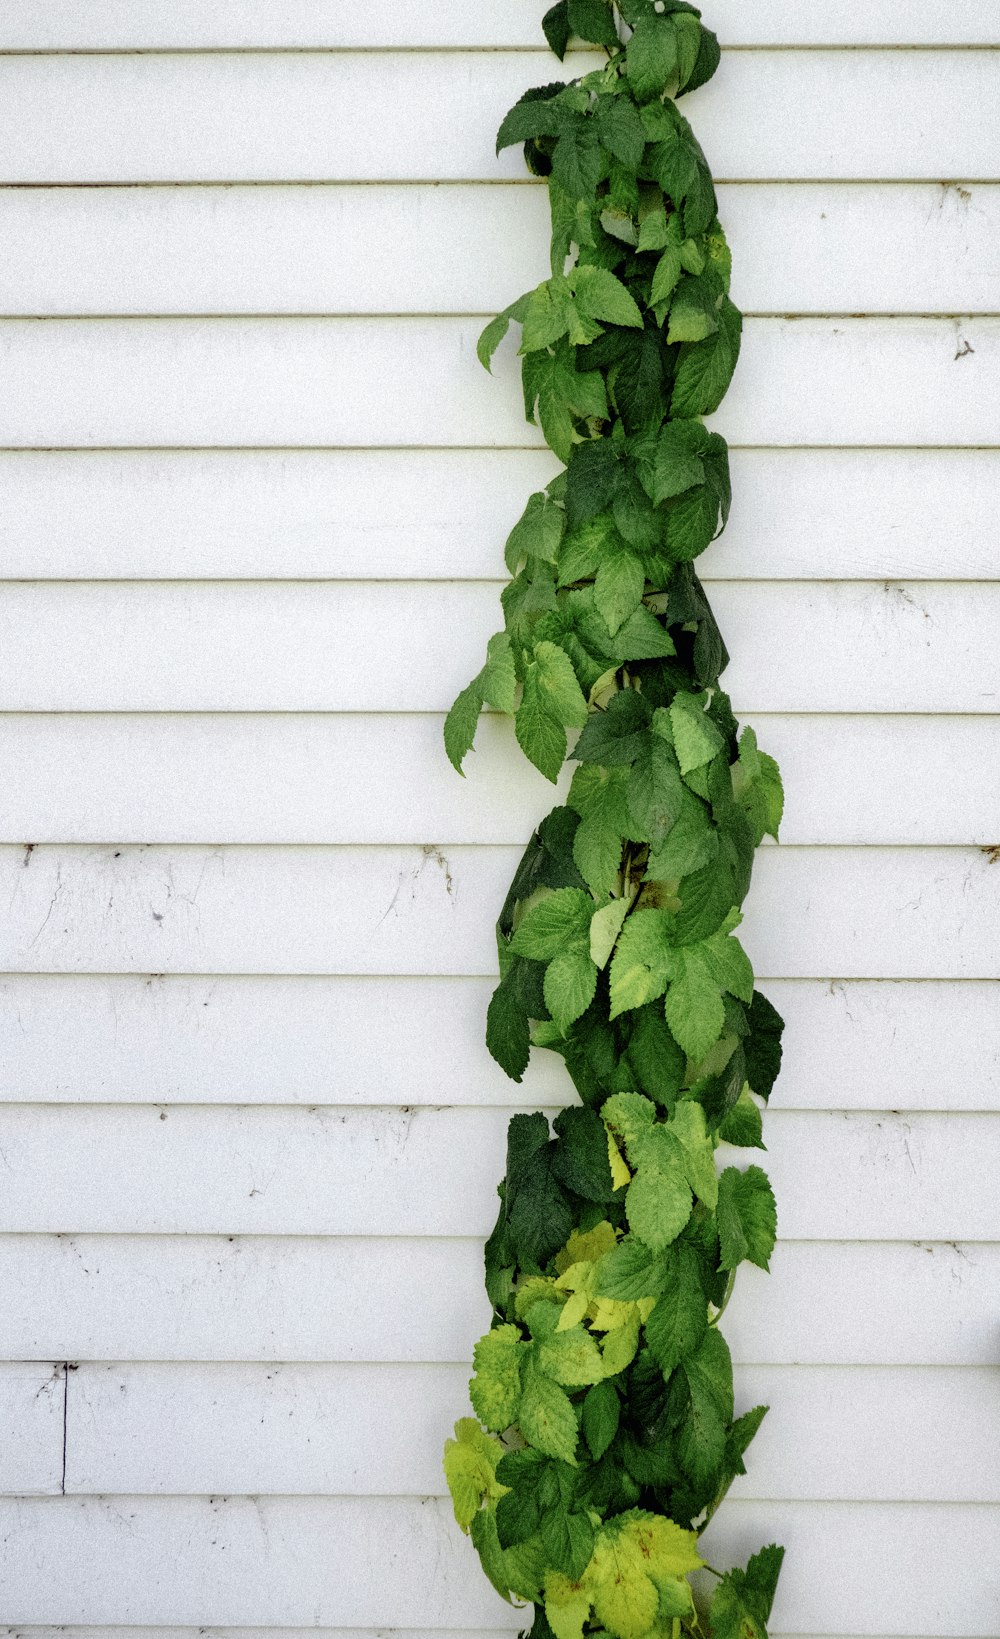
(605, 1436)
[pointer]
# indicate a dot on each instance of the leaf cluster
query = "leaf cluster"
(606, 1432)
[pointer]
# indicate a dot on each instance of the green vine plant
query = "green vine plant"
(605, 1436)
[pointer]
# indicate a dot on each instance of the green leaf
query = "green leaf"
(622, 132)
(546, 1417)
(632, 1272)
(696, 738)
(655, 792)
(558, 923)
(571, 1358)
(630, 1117)
(508, 1037)
(747, 1218)
(619, 586)
(641, 963)
(496, 330)
(743, 1126)
(555, 23)
(691, 843)
(601, 296)
(705, 368)
(605, 926)
(580, 1161)
(763, 1045)
(483, 1531)
(547, 317)
(537, 1214)
(639, 379)
(655, 1057)
(616, 735)
(560, 689)
(497, 679)
(570, 983)
(590, 481)
(461, 723)
(693, 1008)
(495, 1391)
(701, 1443)
(693, 310)
(532, 116)
(676, 466)
(688, 31)
(568, 1540)
(578, 161)
(592, 20)
(709, 58)
(741, 1605)
(658, 1202)
(598, 796)
(679, 1321)
(470, 1462)
(668, 271)
(688, 1124)
(651, 57)
(601, 1411)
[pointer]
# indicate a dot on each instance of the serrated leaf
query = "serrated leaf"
(546, 1418)
(540, 735)
(601, 296)
(651, 57)
(495, 1390)
(557, 923)
(679, 1319)
(555, 25)
(693, 1006)
(631, 1271)
(747, 1218)
(741, 1605)
(568, 1539)
(616, 735)
(605, 926)
(654, 1056)
(636, 1558)
(639, 379)
(655, 793)
(461, 723)
(658, 1204)
(497, 680)
(562, 693)
(692, 311)
(621, 130)
(570, 983)
(743, 1126)
(571, 1358)
(619, 586)
(691, 843)
(641, 962)
(763, 1045)
(688, 1123)
(483, 1531)
(591, 20)
(580, 1161)
(547, 316)
(578, 161)
(601, 1412)
(665, 277)
(530, 117)
(696, 738)
(705, 368)
(567, 1606)
(630, 1117)
(508, 1037)
(470, 1462)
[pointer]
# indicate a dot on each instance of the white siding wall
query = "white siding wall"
(253, 492)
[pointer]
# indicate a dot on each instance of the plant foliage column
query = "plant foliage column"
(605, 1436)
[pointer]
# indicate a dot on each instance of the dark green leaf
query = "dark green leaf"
(621, 130)
(615, 735)
(590, 480)
(580, 1160)
(763, 1045)
(531, 116)
(578, 160)
(658, 1062)
(747, 1218)
(705, 368)
(679, 1321)
(507, 1033)
(592, 20)
(555, 23)
(601, 1411)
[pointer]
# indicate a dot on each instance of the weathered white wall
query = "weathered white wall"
(253, 492)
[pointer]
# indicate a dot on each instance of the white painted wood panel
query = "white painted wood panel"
(32, 1394)
(414, 116)
(911, 1434)
(404, 1561)
(325, 1170)
(356, 778)
(149, 1297)
(875, 913)
(412, 381)
(329, 514)
(140, 1039)
(69, 25)
(830, 646)
(797, 248)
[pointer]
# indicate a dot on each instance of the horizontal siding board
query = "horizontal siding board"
(917, 248)
(416, 381)
(176, 1040)
(831, 646)
(413, 117)
(268, 1561)
(367, 1430)
(31, 1427)
(110, 1297)
(73, 25)
(331, 1171)
(352, 514)
(929, 913)
(356, 778)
